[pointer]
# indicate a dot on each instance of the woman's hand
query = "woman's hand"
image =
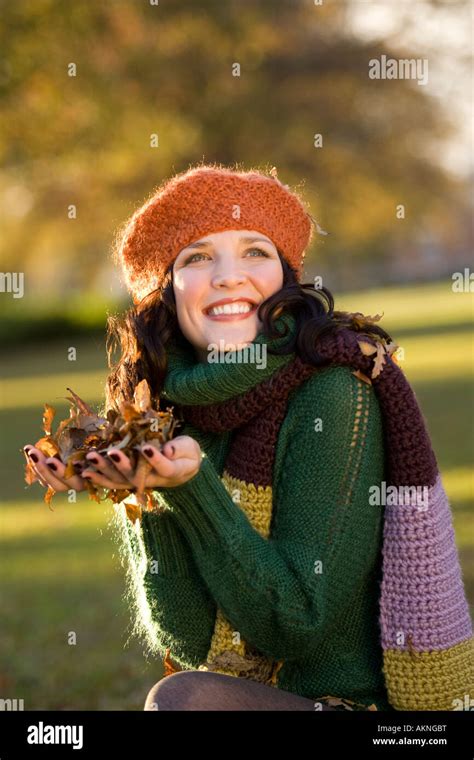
(178, 461)
(50, 471)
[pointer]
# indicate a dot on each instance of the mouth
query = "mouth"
(229, 312)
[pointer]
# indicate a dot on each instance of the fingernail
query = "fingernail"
(34, 457)
(53, 466)
(92, 459)
(148, 452)
(26, 448)
(87, 477)
(115, 457)
(172, 450)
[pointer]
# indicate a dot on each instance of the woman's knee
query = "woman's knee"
(194, 690)
(174, 692)
(198, 690)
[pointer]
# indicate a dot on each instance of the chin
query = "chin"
(246, 338)
(220, 338)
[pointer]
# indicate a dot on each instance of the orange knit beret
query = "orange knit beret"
(203, 200)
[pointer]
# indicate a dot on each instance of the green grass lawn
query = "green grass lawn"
(60, 569)
(61, 575)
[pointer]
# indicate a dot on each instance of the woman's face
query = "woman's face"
(241, 268)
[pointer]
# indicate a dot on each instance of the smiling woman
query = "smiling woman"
(224, 284)
(271, 555)
(264, 573)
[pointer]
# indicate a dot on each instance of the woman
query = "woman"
(259, 572)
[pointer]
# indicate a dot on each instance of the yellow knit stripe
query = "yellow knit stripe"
(255, 501)
(430, 680)
(229, 653)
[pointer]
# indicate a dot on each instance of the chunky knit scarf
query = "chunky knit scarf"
(426, 630)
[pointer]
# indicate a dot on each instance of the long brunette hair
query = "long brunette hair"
(142, 333)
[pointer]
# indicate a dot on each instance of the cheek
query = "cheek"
(271, 280)
(189, 289)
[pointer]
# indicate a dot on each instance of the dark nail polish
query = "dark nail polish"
(33, 457)
(148, 452)
(52, 466)
(115, 457)
(26, 449)
(94, 460)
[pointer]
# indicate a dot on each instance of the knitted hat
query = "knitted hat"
(203, 200)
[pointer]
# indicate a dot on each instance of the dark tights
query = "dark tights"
(206, 690)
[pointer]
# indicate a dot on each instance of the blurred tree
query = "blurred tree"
(167, 69)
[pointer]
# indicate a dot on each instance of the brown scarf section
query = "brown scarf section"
(258, 413)
(256, 417)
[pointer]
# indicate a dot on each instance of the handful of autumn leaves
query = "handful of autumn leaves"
(84, 431)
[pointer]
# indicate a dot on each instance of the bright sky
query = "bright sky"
(444, 36)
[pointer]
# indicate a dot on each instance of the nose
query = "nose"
(228, 276)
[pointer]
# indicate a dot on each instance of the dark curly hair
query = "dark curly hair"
(144, 331)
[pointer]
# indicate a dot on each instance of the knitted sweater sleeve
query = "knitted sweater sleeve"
(285, 594)
(170, 603)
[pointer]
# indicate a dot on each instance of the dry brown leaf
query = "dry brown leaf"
(391, 347)
(379, 349)
(362, 377)
(142, 397)
(335, 702)
(152, 505)
(48, 416)
(143, 468)
(30, 474)
(48, 446)
(49, 493)
(379, 360)
(364, 320)
(93, 492)
(118, 495)
(347, 704)
(134, 511)
(63, 425)
(367, 348)
(84, 431)
(82, 406)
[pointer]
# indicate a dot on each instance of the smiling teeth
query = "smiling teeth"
(233, 308)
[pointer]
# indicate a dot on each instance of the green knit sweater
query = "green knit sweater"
(287, 596)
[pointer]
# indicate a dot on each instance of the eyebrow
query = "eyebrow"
(244, 239)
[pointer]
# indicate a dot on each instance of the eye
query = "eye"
(258, 250)
(190, 258)
(250, 250)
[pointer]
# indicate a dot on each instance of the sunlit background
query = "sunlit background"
(389, 183)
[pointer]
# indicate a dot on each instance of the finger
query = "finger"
(45, 474)
(181, 446)
(162, 465)
(184, 470)
(104, 466)
(170, 471)
(59, 468)
(40, 480)
(122, 465)
(103, 482)
(169, 449)
(32, 466)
